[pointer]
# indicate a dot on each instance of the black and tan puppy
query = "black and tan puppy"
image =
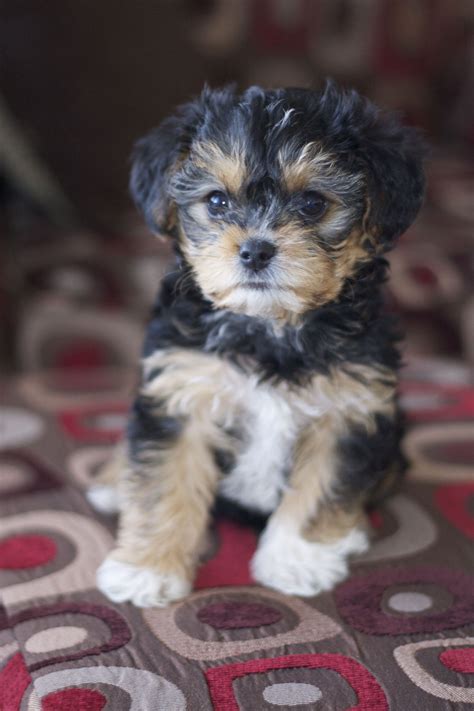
(269, 368)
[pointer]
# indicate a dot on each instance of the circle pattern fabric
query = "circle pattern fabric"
(359, 601)
(397, 634)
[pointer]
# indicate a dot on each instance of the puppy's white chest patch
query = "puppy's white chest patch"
(270, 429)
(270, 416)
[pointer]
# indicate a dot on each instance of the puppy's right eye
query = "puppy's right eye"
(217, 203)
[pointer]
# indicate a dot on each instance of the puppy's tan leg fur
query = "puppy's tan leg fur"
(304, 548)
(167, 495)
(165, 513)
(163, 528)
(309, 538)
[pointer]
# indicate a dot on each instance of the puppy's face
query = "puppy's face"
(269, 232)
(270, 194)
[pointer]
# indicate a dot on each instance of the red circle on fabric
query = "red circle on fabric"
(458, 660)
(26, 551)
(74, 699)
(370, 695)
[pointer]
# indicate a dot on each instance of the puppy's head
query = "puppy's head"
(278, 197)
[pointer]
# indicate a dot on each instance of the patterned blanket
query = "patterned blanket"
(399, 634)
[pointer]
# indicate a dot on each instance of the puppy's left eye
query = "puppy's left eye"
(217, 202)
(312, 204)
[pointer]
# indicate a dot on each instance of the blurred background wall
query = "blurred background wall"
(80, 81)
(84, 79)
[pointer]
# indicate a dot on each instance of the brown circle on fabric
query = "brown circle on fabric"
(359, 600)
(188, 617)
(238, 615)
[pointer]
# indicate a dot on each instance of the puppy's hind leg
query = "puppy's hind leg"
(104, 493)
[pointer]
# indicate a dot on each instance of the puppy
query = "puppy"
(269, 368)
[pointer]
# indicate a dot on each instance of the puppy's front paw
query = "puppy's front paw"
(295, 566)
(144, 587)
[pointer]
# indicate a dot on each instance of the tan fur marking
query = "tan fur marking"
(229, 169)
(166, 502)
(347, 258)
(358, 393)
(215, 264)
(312, 165)
(313, 470)
(226, 246)
(310, 270)
(165, 516)
(298, 174)
(313, 274)
(196, 385)
(306, 275)
(218, 272)
(334, 522)
(354, 393)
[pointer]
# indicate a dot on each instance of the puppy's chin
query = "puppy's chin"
(259, 300)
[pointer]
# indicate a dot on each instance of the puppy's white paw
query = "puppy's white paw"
(104, 498)
(144, 587)
(294, 566)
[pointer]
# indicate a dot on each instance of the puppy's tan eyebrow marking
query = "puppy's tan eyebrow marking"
(228, 168)
(299, 168)
(314, 168)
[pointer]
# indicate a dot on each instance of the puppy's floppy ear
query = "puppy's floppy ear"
(153, 161)
(157, 156)
(389, 154)
(393, 155)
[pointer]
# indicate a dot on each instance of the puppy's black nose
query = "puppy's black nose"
(255, 254)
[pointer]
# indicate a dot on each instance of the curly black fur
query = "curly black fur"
(363, 138)
(353, 329)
